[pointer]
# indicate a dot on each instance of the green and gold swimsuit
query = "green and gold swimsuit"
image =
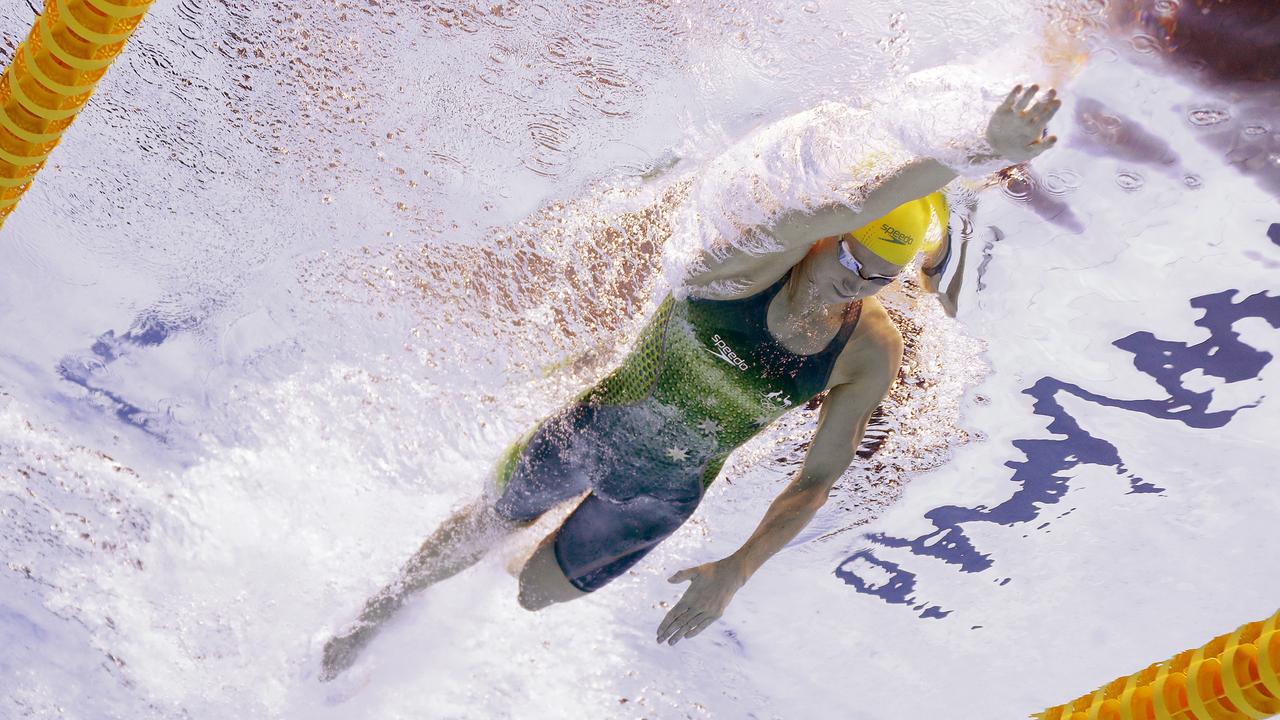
(704, 377)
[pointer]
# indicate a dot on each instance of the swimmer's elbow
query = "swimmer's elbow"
(800, 229)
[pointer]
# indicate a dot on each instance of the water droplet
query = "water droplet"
(1166, 7)
(1129, 180)
(1256, 130)
(1208, 116)
(1193, 181)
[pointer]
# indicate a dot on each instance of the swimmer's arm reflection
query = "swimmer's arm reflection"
(841, 424)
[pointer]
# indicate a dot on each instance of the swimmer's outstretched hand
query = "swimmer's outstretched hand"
(1017, 128)
(711, 587)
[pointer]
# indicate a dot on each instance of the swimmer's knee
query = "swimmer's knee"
(534, 598)
(543, 582)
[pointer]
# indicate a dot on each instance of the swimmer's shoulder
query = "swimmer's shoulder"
(874, 351)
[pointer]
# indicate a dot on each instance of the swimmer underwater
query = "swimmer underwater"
(759, 334)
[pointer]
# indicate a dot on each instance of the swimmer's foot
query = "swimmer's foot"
(342, 651)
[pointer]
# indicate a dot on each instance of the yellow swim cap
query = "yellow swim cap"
(899, 234)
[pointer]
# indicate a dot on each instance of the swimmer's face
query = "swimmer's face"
(846, 270)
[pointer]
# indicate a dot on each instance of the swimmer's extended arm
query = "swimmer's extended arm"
(841, 423)
(800, 229)
(1014, 134)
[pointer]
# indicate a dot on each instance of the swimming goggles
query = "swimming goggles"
(851, 263)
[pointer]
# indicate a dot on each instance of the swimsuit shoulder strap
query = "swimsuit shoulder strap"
(852, 314)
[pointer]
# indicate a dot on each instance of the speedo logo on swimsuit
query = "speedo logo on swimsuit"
(896, 236)
(725, 353)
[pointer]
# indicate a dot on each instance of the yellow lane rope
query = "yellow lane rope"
(1233, 677)
(51, 77)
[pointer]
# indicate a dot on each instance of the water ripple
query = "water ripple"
(1018, 186)
(1061, 182)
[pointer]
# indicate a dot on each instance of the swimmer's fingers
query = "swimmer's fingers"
(677, 629)
(1008, 100)
(1038, 147)
(687, 624)
(1024, 100)
(703, 623)
(683, 575)
(682, 607)
(712, 588)
(672, 620)
(1044, 110)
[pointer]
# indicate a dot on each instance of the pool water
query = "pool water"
(303, 270)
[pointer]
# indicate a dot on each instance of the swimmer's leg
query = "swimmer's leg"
(542, 581)
(541, 478)
(460, 542)
(599, 541)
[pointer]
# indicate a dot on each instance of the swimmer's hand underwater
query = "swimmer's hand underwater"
(711, 587)
(1016, 130)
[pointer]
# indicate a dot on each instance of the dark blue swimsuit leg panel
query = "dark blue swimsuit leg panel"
(548, 471)
(604, 536)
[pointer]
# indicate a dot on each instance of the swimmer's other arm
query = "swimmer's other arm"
(941, 271)
(841, 424)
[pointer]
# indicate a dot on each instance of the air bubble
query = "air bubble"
(1256, 130)
(1193, 181)
(1105, 54)
(1208, 116)
(1129, 180)
(1144, 44)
